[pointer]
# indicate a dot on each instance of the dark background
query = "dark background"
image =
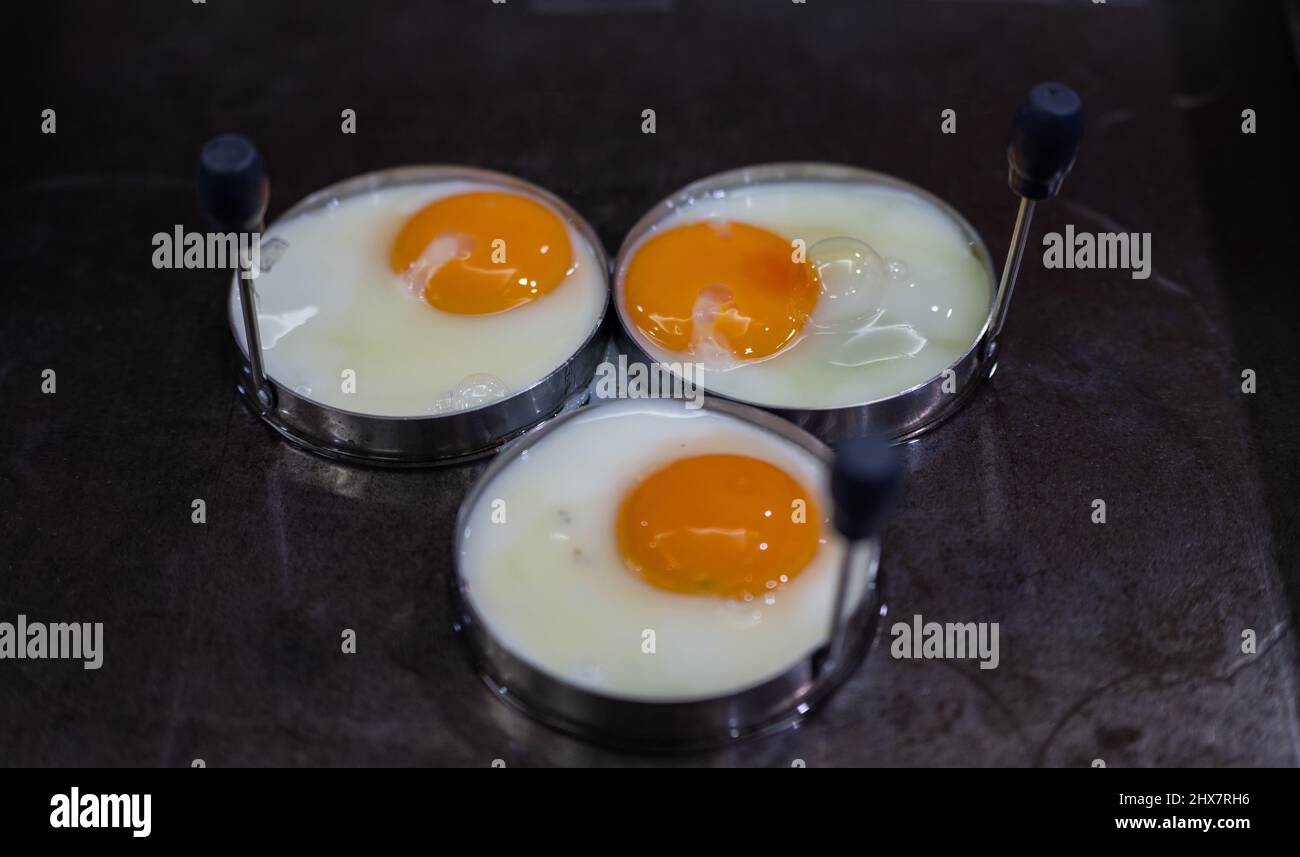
(1120, 642)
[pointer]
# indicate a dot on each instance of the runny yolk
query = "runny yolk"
(482, 252)
(726, 525)
(737, 285)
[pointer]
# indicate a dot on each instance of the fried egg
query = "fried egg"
(700, 561)
(419, 299)
(809, 294)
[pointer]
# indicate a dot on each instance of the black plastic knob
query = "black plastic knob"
(864, 478)
(1044, 140)
(233, 189)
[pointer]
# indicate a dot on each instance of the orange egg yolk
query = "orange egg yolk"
(741, 281)
(726, 525)
(483, 252)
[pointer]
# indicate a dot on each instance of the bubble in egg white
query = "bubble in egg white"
(853, 281)
(478, 390)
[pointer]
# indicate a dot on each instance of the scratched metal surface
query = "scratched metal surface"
(1119, 642)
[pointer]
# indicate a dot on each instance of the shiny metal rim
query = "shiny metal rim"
(901, 417)
(418, 441)
(662, 726)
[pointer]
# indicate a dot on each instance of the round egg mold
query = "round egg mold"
(670, 725)
(901, 416)
(414, 441)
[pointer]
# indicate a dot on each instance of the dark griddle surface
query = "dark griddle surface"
(1119, 642)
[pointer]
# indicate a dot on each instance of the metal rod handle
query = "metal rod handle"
(1045, 137)
(864, 477)
(233, 191)
(1002, 302)
(261, 387)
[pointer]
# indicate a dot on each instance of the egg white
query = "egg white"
(551, 585)
(332, 303)
(929, 310)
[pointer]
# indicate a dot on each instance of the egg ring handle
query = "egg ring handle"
(234, 192)
(675, 725)
(429, 440)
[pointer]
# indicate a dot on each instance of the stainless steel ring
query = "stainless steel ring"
(436, 439)
(669, 726)
(900, 417)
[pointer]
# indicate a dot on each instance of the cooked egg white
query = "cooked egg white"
(901, 295)
(340, 326)
(541, 564)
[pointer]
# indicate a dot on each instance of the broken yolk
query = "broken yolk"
(735, 284)
(726, 525)
(483, 252)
